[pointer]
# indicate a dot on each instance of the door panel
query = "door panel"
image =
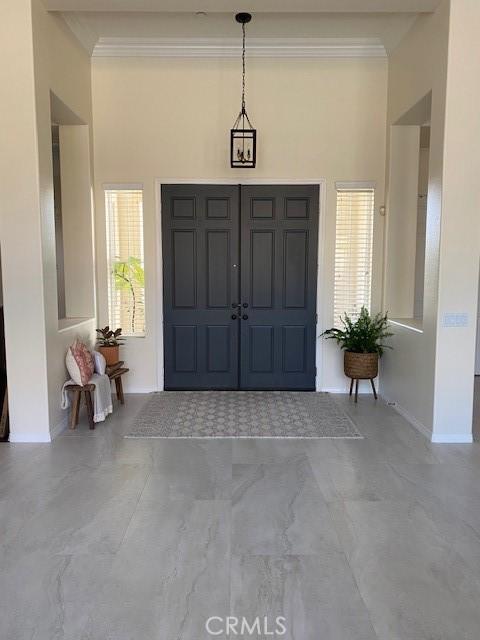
(294, 347)
(184, 277)
(218, 269)
(262, 264)
(200, 227)
(261, 356)
(204, 230)
(295, 266)
(279, 234)
(185, 349)
(218, 349)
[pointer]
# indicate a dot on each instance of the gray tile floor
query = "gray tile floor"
(104, 538)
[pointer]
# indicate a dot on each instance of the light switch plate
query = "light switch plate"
(452, 320)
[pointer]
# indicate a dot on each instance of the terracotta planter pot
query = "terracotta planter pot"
(111, 354)
(360, 366)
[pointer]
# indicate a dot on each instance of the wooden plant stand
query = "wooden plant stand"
(356, 381)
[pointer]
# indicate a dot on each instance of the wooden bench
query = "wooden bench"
(114, 372)
(77, 390)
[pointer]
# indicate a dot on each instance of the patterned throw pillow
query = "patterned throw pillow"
(79, 362)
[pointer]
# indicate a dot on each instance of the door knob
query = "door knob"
(245, 305)
(234, 317)
(244, 317)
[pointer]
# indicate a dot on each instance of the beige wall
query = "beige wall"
(416, 67)
(157, 118)
(76, 185)
(460, 227)
(424, 159)
(20, 227)
(40, 55)
(402, 221)
(62, 67)
(430, 373)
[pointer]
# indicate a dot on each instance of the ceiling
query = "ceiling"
(232, 6)
(379, 22)
(92, 27)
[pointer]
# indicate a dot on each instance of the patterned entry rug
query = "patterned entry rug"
(242, 414)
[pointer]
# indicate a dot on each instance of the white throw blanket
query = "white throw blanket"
(102, 397)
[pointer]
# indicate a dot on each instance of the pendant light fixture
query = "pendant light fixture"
(243, 137)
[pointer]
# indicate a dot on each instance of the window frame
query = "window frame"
(368, 248)
(118, 187)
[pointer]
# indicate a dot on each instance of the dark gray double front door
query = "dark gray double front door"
(239, 281)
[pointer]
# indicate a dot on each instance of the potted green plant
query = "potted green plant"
(108, 342)
(363, 342)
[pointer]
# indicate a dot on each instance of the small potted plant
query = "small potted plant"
(108, 344)
(363, 344)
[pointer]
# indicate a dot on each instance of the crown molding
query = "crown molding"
(231, 48)
(81, 30)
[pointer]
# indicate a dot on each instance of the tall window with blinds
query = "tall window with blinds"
(126, 275)
(353, 251)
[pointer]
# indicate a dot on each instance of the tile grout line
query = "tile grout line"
(133, 511)
(354, 577)
(342, 549)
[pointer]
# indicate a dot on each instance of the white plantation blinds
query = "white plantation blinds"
(353, 251)
(126, 277)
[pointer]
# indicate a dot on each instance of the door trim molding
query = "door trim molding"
(321, 306)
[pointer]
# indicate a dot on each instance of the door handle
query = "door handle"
(245, 305)
(235, 305)
(244, 317)
(234, 317)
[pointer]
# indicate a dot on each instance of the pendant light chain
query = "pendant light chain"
(243, 69)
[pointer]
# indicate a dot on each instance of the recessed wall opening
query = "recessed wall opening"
(57, 201)
(421, 235)
(407, 215)
(72, 214)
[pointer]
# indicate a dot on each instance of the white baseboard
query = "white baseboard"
(408, 417)
(452, 438)
(436, 438)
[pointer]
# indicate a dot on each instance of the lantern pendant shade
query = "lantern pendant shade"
(243, 137)
(243, 143)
